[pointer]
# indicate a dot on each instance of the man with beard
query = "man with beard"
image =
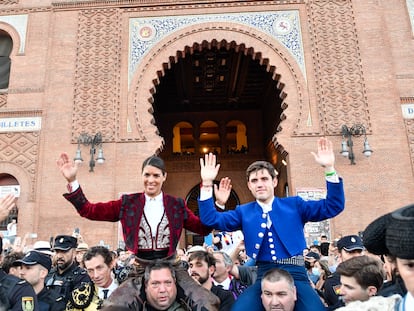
(202, 268)
(66, 275)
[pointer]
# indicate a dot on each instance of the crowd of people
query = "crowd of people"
(267, 267)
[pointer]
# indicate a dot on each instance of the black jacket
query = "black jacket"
(225, 296)
(15, 292)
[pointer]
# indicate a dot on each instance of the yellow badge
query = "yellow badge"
(27, 304)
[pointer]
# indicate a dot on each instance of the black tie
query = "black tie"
(105, 291)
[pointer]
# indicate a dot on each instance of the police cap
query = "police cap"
(65, 242)
(33, 258)
(350, 243)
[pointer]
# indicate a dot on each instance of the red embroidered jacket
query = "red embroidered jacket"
(129, 210)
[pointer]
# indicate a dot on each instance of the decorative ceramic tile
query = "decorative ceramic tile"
(18, 22)
(284, 26)
(410, 6)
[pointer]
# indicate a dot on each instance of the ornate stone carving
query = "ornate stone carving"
(409, 125)
(155, 5)
(97, 76)
(3, 99)
(341, 93)
(9, 2)
(21, 148)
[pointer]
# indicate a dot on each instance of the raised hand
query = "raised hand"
(209, 169)
(325, 156)
(67, 167)
(222, 192)
(6, 205)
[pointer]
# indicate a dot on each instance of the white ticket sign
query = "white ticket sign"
(5, 190)
(28, 124)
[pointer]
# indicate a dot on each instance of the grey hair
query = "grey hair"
(228, 262)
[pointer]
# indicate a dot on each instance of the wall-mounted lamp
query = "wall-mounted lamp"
(93, 141)
(347, 133)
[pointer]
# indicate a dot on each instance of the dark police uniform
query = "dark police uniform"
(16, 294)
(64, 283)
(331, 291)
(49, 300)
(348, 243)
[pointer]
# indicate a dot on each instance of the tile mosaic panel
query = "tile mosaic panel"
(284, 26)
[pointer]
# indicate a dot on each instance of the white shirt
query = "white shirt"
(225, 283)
(266, 209)
(110, 288)
(409, 302)
(154, 210)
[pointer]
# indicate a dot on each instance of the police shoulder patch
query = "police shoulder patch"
(27, 303)
(337, 289)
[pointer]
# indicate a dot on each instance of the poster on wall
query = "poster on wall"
(314, 230)
(5, 190)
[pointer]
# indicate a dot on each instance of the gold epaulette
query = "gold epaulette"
(81, 297)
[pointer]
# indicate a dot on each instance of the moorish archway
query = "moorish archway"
(176, 95)
(269, 53)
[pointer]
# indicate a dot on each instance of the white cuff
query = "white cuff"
(206, 193)
(333, 179)
(222, 207)
(73, 186)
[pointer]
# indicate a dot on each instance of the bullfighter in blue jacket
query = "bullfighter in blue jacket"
(272, 226)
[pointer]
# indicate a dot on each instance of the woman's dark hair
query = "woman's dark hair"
(155, 162)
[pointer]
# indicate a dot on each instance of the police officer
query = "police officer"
(66, 275)
(16, 294)
(34, 268)
(349, 246)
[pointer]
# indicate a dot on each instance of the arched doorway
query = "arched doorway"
(218, 98)
(223, 100)
(8, 227)
(6, 46)
(210, 80)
